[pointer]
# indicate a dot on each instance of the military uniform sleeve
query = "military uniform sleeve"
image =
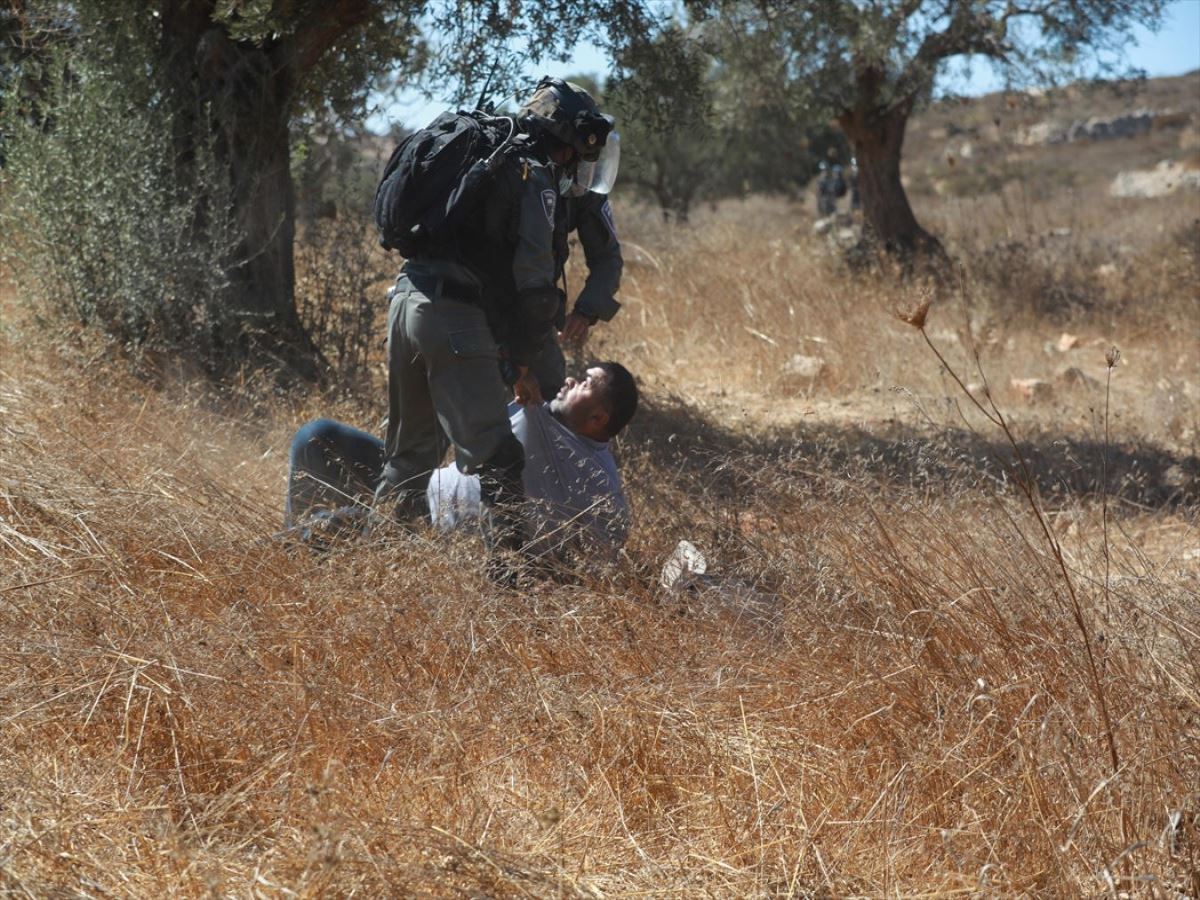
(598, 235)
(533, 264)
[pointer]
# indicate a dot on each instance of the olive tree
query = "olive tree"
(662, 99)
(869, 63)
(703, 115)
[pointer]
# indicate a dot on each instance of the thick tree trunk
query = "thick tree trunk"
(247, 91)
(244, 90)
(878, 140)
(238, 95)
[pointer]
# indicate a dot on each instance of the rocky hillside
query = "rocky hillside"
(1082, 137)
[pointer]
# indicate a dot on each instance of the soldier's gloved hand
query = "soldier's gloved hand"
(509, 371)
(526, 389)
(575, 330)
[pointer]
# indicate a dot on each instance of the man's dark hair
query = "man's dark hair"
(622, 396)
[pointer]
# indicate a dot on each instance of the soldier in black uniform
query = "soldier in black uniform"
(584, 210)
(826, 191)
(589, 216)
(453, 307)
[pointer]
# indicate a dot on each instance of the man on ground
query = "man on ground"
(570, 479)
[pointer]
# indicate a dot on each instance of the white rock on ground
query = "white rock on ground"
(1103, 128)
(1164, 179)
(802, 366)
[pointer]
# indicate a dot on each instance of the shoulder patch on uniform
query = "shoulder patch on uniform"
(607, 213)
(549, 199)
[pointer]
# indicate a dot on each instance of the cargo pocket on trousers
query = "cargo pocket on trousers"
(477, 343)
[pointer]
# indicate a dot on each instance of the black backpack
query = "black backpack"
(434, 176)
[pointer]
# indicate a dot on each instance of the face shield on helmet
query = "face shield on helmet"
(598, 176)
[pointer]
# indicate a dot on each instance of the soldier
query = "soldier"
(585, 210)
(826, 191)
(839, 184)
(453, 307)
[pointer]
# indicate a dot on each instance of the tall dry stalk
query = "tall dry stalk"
(1111, 358)
(1028, 486)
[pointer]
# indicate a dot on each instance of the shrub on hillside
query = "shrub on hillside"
(104, 222)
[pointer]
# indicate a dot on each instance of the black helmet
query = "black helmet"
(568, 113)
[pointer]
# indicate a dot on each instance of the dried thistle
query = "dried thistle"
(916, 316)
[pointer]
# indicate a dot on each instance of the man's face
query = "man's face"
(583, 405)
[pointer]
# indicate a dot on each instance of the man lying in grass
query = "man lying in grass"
(572, 487)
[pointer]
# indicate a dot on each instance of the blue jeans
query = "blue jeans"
(331, 466)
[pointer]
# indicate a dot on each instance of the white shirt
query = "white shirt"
(571, 483)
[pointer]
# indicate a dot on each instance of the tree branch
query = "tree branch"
(308, 44)
(968, 32)
(181, 18)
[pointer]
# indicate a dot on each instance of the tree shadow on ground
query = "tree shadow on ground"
(1065, 468)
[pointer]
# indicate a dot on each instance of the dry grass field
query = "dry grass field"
(938, 657)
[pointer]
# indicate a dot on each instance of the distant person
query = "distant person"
(573, 490)
(852, 179)
(839, 184)
(826, 191)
